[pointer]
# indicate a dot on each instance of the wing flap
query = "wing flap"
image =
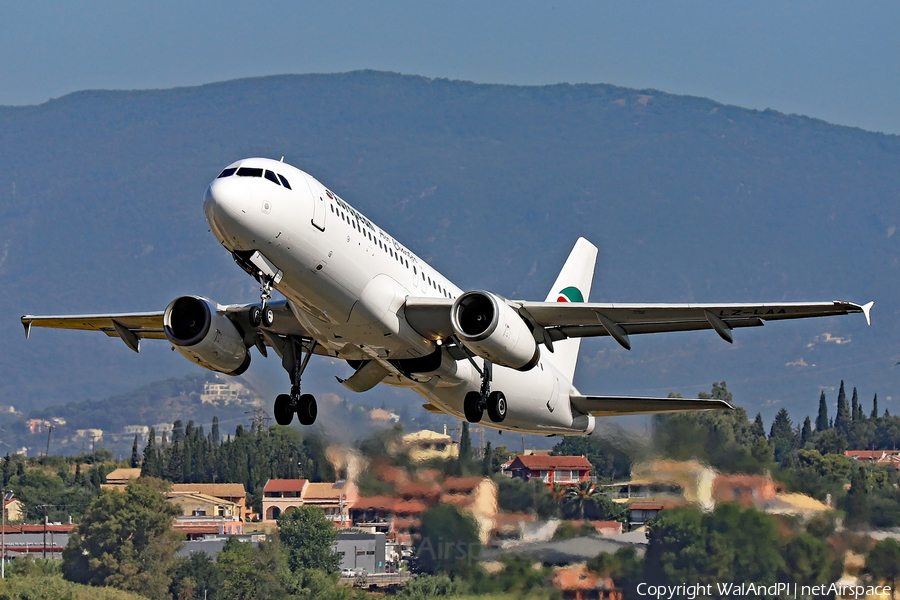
(610, 406)
(430, 317)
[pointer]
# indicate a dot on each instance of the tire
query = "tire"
(268, 317)
(255, 316)
(307, 409)
(497, 406)
(283, 411)
(470, 407)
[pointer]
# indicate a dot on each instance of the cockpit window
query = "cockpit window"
(271, 177)
(249, 172)
(284, 181)
(227, 173)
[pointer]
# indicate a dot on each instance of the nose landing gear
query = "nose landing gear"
(263, 315)
(295, 363)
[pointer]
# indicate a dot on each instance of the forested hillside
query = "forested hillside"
(688, 200)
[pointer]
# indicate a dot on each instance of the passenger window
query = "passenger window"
(271, 177)
(284, 181)
(249, 172)
(227, 173)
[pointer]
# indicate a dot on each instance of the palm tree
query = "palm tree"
(558, 493)
(581, 494)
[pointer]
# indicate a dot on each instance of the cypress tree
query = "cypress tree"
(215, 431)
(782, 435)
(843, 418)
(465, 443)
(150, 467)
(135, 457)
(487, 461)
(875, 407)
(806, 432)
(822, 417)
(758, 429)
(854, 406)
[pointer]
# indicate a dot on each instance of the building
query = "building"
(362, 551)
(641, 512)
(428, 445)
(91, 434)
(879, 457)
(564, 470)
(140, 430)
(229, 492)
(746, 490)
(117, 479)
(24, 540)
(399, 514)
(667, 481)
(220, 392)
(578, 583)
(196, 527)
(14, 510)
(202, 514)
(280, 495)
(334, 498)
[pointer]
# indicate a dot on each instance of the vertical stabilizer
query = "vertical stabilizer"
(572, 285)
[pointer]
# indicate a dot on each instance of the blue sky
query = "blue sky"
(833, 60)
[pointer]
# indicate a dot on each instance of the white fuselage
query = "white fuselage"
(347, 280)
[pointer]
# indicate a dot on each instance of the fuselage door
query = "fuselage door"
(319, 206)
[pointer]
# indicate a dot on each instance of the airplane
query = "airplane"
(354, 292)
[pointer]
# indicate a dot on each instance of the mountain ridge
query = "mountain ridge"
(688, 200)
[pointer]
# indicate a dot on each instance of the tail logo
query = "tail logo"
(570, 294)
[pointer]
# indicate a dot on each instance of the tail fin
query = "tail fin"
(572, 285)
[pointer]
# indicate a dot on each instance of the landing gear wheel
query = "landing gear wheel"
(255, 316)
(268, 316)
(472, 407)
(497, 407)
(284, 412)
(307, 409)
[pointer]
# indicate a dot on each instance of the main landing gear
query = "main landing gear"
(263, 315)
(475, 403)
(294, 361)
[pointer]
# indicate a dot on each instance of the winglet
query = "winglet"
(866, 308)
(26, 322)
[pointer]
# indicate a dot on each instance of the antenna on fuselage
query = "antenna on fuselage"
(282, 159)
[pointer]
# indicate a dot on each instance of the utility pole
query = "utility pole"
(6, 497)
(44, 506)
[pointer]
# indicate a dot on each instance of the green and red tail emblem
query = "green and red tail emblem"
(570, 294)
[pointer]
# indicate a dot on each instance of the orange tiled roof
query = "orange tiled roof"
(419, 490)
(284, 485)
(536, 462)
(220, 490)
(456, 485)
(376, 502)
(578, 577)
(409, 508)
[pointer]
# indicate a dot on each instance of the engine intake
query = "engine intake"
(197, 329)
(491, 329)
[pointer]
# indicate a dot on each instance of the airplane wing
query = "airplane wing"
(610, 406)
(133, 327)
(561, 320)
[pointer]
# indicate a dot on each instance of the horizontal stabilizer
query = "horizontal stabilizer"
(609, 406)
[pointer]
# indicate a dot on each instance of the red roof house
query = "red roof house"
(565, 470)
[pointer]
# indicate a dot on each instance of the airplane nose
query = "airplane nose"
(224, 207)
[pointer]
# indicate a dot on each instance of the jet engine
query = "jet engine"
(197, 329)
(491, 329)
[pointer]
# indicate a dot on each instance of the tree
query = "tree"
(758, 429)
(883, 561)
(249, 573)
(465, 444)
(874, 414)
(843, 418)
(807, 561)
(806, 432)
(831, 442)
(854, 407)
(448, 543)
(580, 495)
(125, 541)
(214, 432)
(308, 538)
(857, 503)
(135, 457)
(782, 435)
(822, 417)
(195, 577)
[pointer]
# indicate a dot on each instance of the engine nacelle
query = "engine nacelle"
(197, 329)
(490, 328)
